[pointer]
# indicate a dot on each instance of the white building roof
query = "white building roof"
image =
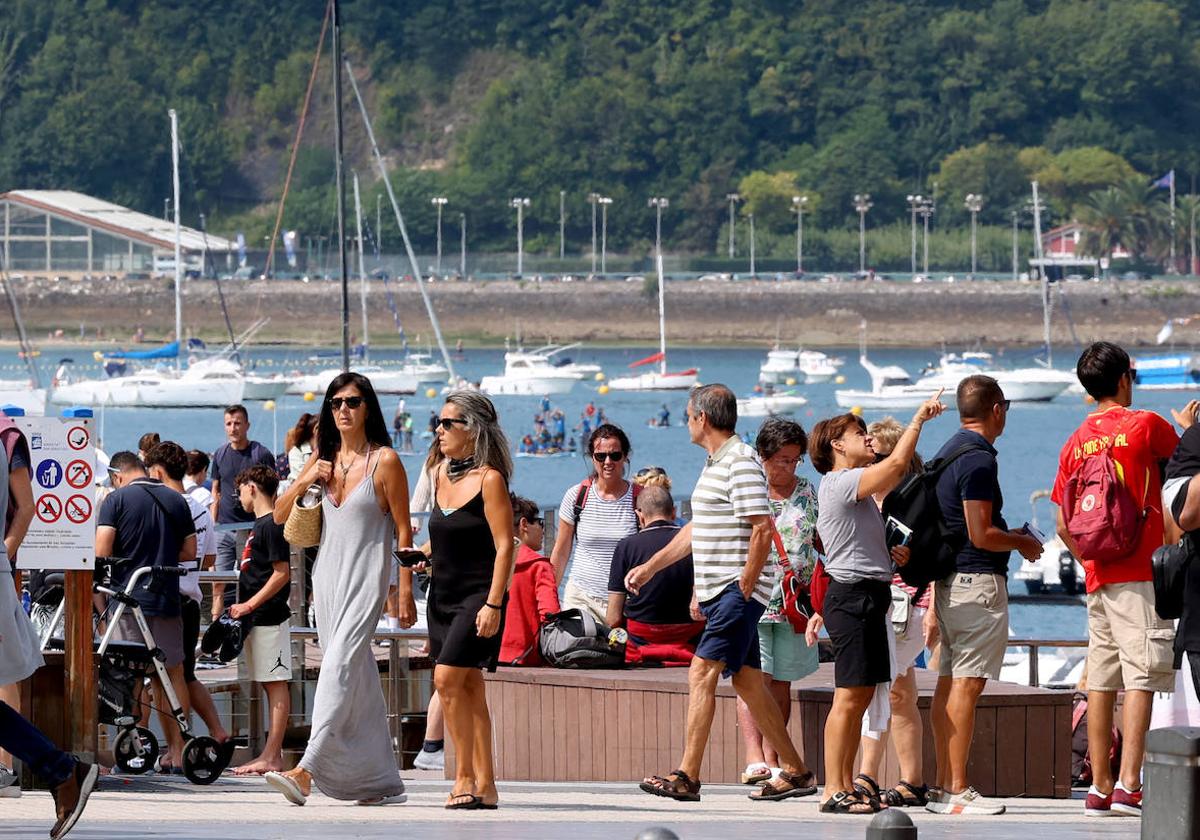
(115, 219)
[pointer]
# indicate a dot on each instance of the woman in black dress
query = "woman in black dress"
(471, 554)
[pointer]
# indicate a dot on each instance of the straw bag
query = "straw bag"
(303, 526)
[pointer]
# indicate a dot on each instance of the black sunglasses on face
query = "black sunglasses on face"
(1005, 403)
(611, 456)
(644, 472)
(447, 423)
(336, 403)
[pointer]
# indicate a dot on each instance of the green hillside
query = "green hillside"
(483, 100)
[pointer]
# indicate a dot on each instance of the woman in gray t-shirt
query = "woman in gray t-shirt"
(859, 595)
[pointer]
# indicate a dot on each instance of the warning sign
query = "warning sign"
(78, 509)
(49, 508)
(62, 534)
(79, 474)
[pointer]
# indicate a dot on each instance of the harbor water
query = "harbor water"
(1028, 449)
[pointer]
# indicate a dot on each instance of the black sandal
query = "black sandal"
(797, 785)
(676, 785)
(848, 802)
(470, 802)
(906, 795)
(867, 787)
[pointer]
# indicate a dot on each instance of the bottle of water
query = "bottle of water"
(26, 601)
(311, 497)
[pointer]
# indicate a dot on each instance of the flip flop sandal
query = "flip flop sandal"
(847, 802)
(797, 785)
(906, 795)
(682, 788)
(286, 785)
(470, 802)
(755, 773)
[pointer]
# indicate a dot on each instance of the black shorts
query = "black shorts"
(190, 612)
(856, 617)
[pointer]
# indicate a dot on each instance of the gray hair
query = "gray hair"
(491, 446)
(718, 404)
(655, 502)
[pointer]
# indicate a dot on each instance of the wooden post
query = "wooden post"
(80, 666)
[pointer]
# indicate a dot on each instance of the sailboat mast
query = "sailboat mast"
(178, 243)
(662, 319)
(340, 178)
(1037, 249)
(362, 271)
(408, 249)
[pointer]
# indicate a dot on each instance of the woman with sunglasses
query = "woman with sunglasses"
(471, 557)
(364, 508)
(594, 516)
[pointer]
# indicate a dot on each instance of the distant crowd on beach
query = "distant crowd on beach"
(900, 562)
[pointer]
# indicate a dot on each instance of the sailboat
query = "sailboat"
(660, 380)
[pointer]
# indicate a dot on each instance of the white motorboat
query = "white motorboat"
(662, 379)
(254, 387)
(151, 388)
(1029, 384)
(588, 370)
(891, 387)
(383, 380)
(1057, 568)
(529, 374)
(808, 366)
(424, 369)
(766, 405)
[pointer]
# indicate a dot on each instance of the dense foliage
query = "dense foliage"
(482, 100)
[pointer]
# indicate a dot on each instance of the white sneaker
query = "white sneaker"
(968, 802)
(430, 760)
(10, 784)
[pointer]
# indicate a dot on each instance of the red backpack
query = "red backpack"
(1101, 514)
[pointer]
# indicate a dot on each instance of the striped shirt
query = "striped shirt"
(602, 524)
(731, 489)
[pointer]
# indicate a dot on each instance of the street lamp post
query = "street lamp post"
(562, 224)
(520, 204)
(926, 210)
(439, 202)
(862, 203)
(974, 203)
(462, 246)
(593, 198)
(733, 199)
(752, 272)
(1015, 254)
(798, 202)
(604, 202)
(914, 206)
(659, 204)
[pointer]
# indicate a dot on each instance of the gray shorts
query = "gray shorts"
(167, 632)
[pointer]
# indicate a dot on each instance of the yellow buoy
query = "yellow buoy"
(309, 396)
(839, 380)
(98, 356)
(603, 389)
(856, 411)
(791, 381)
(599, 376)
(269, 405)
(431, 392)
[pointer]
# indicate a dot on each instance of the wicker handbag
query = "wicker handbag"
(303, 526)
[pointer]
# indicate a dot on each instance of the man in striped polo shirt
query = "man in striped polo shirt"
(729, 538)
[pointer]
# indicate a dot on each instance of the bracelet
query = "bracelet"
(493, 606)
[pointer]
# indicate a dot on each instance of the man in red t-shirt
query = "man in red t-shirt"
(1129, 646)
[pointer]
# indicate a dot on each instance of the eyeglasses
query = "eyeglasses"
(646, 472)
(447, 423)
(1005, 403)
(352, 403)
(611, 456)
(1133, 374)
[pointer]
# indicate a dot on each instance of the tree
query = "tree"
(992, 170)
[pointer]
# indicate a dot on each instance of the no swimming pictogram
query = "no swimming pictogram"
(49, 508)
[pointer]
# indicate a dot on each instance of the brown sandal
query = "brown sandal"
(676, 785)
(848, 802)
(802, 784)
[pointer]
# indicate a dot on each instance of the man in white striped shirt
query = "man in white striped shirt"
(729, 538)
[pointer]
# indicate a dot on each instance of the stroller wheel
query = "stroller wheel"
(202, 760)
(135, 750)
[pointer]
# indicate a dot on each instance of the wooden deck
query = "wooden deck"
(619, 726)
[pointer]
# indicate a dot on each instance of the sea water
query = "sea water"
(1028, 449)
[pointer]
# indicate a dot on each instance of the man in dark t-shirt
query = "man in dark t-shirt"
(666, 598)
(237, 454)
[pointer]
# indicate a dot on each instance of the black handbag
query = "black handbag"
(1169, 564)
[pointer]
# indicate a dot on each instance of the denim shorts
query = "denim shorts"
(731, 632)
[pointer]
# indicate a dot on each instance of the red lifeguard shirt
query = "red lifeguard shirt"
(1140, 442)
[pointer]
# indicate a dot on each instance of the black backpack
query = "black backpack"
(575, 639)
(915, 504)
(1169, 566)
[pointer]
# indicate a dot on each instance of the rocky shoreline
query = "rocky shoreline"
(744, 313)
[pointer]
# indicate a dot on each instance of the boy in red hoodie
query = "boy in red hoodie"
(533, 594)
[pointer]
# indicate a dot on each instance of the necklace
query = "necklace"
(345, 468)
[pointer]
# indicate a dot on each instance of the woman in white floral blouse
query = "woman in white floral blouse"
(786, 656)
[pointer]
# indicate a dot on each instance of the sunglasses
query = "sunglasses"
(646, 472)
(352, 403)
(447, 423)
(541, 523)
(1005, 403)
(611, 456)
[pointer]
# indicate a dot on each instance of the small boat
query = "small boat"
(1029, 384)
(254, 386)
(766, 405)
(808, 366)
(383, 380)
(529, 374)
(1057, 568)
(587, 370)
(891, 387)
(1168, 372)
(660, 380)
(150, 388)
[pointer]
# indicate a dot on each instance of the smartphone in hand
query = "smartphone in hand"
(1034, 532)
(409, 557)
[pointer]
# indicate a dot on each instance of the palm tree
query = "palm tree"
(1104, 215)
(1129, 215)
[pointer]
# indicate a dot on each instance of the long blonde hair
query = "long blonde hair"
(887, 433)
(491, 446)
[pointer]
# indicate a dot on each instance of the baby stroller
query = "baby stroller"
(124, 666)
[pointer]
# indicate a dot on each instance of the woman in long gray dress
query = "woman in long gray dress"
(365, 505)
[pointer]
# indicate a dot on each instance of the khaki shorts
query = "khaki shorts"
(1129, 646)
(972, 616)
(576, 598)
(268, 652)
(166, 630)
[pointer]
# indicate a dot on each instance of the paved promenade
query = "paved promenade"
(158, 807)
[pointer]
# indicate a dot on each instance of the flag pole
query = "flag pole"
(1174, 265)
